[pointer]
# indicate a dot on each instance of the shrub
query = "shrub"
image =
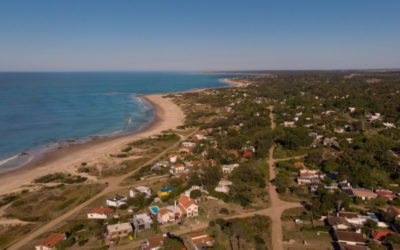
(195, 194)
(224, 211)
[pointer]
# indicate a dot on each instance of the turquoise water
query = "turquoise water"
(40, 110)
(154, 209)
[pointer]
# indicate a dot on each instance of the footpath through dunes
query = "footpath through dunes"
(113, 182)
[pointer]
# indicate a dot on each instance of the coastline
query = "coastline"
(167, 115)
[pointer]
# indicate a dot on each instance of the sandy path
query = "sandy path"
(168, 116)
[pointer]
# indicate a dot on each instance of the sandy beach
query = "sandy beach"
(167, 116)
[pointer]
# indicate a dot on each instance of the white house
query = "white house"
(389, 125)
(188, 206)
(119, 230)
(188, 144)
(116, 201)
(223, 186)
(349, 238)
(289, 124)
(227, 169)
(177, 169)
(100, 213)
(142, 222)
(168, 214)
(140, 190)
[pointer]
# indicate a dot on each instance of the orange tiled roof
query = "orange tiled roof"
(101, 210)
(52, 239)
(379, 235)
(186, 201)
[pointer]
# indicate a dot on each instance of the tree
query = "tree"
(195, 194)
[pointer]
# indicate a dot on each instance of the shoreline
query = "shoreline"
(167, 115)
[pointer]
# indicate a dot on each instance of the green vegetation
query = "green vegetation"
(60, 178)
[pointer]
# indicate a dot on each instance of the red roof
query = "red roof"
(299, 164)
(383, 193)
(379, 235)
(52, 239)
(233, 152)
(101, 210)
(186, 201)
(247, 154)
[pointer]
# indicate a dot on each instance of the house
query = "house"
(247, 154)
(338, 223)
(223, 186)
(140, 190)
(160, 164)
(389, 125)
(306, 173)
(165, 191)
(184, 149)
(352, 109)
(385, 194)
(188, 206)
(188, 144)
(233, 152)
(116, 201)
(100, 213)
(142, 222)
(227, 169)
(307, 180)
(153, 243)
(380, 235)
(348, 215)
(51, 241)
(118, 230)
(349, 238)
(177, 169)
(300, 165)
(168, 214)
(173, 157)
(200, 240)
(362, 193)
(395, 212)
(343, 246)
(191, 164)
(289, 124)
(375, 116)
(331, 142)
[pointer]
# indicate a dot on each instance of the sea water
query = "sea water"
(39, 111)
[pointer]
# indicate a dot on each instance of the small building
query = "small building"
(119, 230)
(173, 157)
(177, 169)
(306, 173)
(362, 193)
(100, 213)
(385, 194)
(300, 165)
(51, 241)
(223, 186)
(338, 223)
(289, 124)
(247, 154)
(349, 238)
(393, 211)
(153, 243)
(307, 180)
(140, 190)
(184, 149)
(343, 246)
(188, 144)
(227, 169)
(116, 201)
(348, 215)
(188, 206)
(142, 222)
(200, 240)
(381, 235)
(168, 214)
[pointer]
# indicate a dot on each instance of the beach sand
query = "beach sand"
(167, 116)
(233, 82)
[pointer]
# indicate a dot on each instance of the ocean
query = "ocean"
(41, 111)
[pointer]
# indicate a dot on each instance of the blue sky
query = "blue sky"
(172, 35)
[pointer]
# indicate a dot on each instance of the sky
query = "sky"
(198, 35)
